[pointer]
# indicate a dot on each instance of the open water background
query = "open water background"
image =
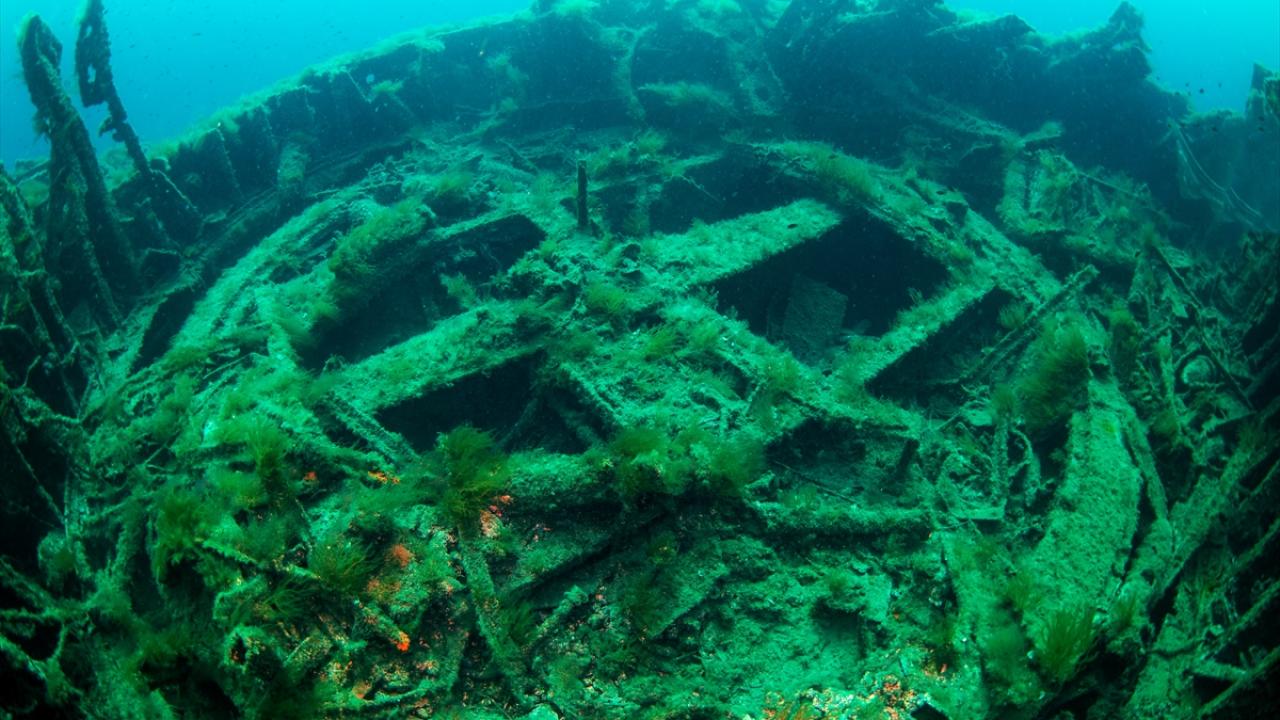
(176, 62)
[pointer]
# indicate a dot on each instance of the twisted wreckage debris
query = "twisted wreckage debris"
(524, 368)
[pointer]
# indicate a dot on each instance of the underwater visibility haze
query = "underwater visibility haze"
(642, 359)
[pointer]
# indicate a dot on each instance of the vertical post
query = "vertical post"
(97, 85)
(583, 222)
(85, 245)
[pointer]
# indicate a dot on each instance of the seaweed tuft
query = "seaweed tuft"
(343, 564)
(734, 464)
(179, 521)
(1048, 393)
(471, 471)
(1065, 640)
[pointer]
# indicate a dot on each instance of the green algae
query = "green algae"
(895, 419)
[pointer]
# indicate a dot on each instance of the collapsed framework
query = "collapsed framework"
(649, 359)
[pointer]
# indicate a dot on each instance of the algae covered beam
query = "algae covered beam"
(584, 221)
(96, 82)
(32, 324)
(86, 244)
(97, 86)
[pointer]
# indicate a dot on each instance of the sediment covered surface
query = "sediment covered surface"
(665, 359)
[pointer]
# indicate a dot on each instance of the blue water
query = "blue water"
(178, 62)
